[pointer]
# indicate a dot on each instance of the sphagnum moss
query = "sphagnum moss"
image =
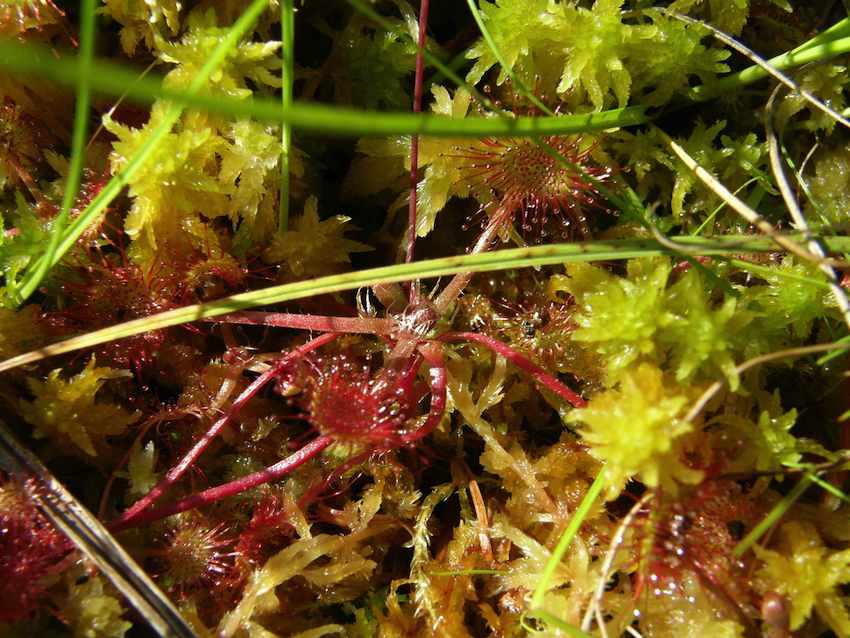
(271, 470)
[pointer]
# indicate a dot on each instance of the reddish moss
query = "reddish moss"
(30, 550)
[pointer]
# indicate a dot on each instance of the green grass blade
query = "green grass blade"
(566, 540)
(78, 142)
(491, 44)
(798, 57)
(557, 623)
(287, 25)
(116, 79)
(833, 355)
(118, 182)
(480, 262)
(773, 516)
(838, 30)
(829, 488)
(721, 206)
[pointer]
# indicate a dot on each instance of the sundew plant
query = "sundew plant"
(372, 319)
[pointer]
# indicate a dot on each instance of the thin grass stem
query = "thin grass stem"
(740, 207)
(481, 262)
(608, 564)
(773, 516)
(803, 55)
(491, 44)
(566, 540)
(796, 212)
(115, 79)
(765, 65)
(287, 25)
(78, 143)
(715, 387)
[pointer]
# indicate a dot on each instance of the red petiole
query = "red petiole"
(523, 363)
(174, 475)
(319, 323)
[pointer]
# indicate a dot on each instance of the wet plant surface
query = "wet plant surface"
(471, 319)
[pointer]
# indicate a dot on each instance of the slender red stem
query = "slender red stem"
(520, 361)
(455, 287)
(147, 425)
(175, 473)
(319, 323)
(434, 356)
(414, 140)
(215, 494)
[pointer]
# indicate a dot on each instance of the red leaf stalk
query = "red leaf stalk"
(319, 323)
(131, 515)
(432, 354)
(540, 375)
(214, 494)
(414, 140)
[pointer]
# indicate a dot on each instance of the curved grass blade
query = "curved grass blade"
(480, 262)
(92, 539)
(116, 79)
(800, 56)
(118, 182)
(287, 25)
(78, 143)
(491, 44)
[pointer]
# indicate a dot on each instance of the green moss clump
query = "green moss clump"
(637, 431)
(67, 410)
